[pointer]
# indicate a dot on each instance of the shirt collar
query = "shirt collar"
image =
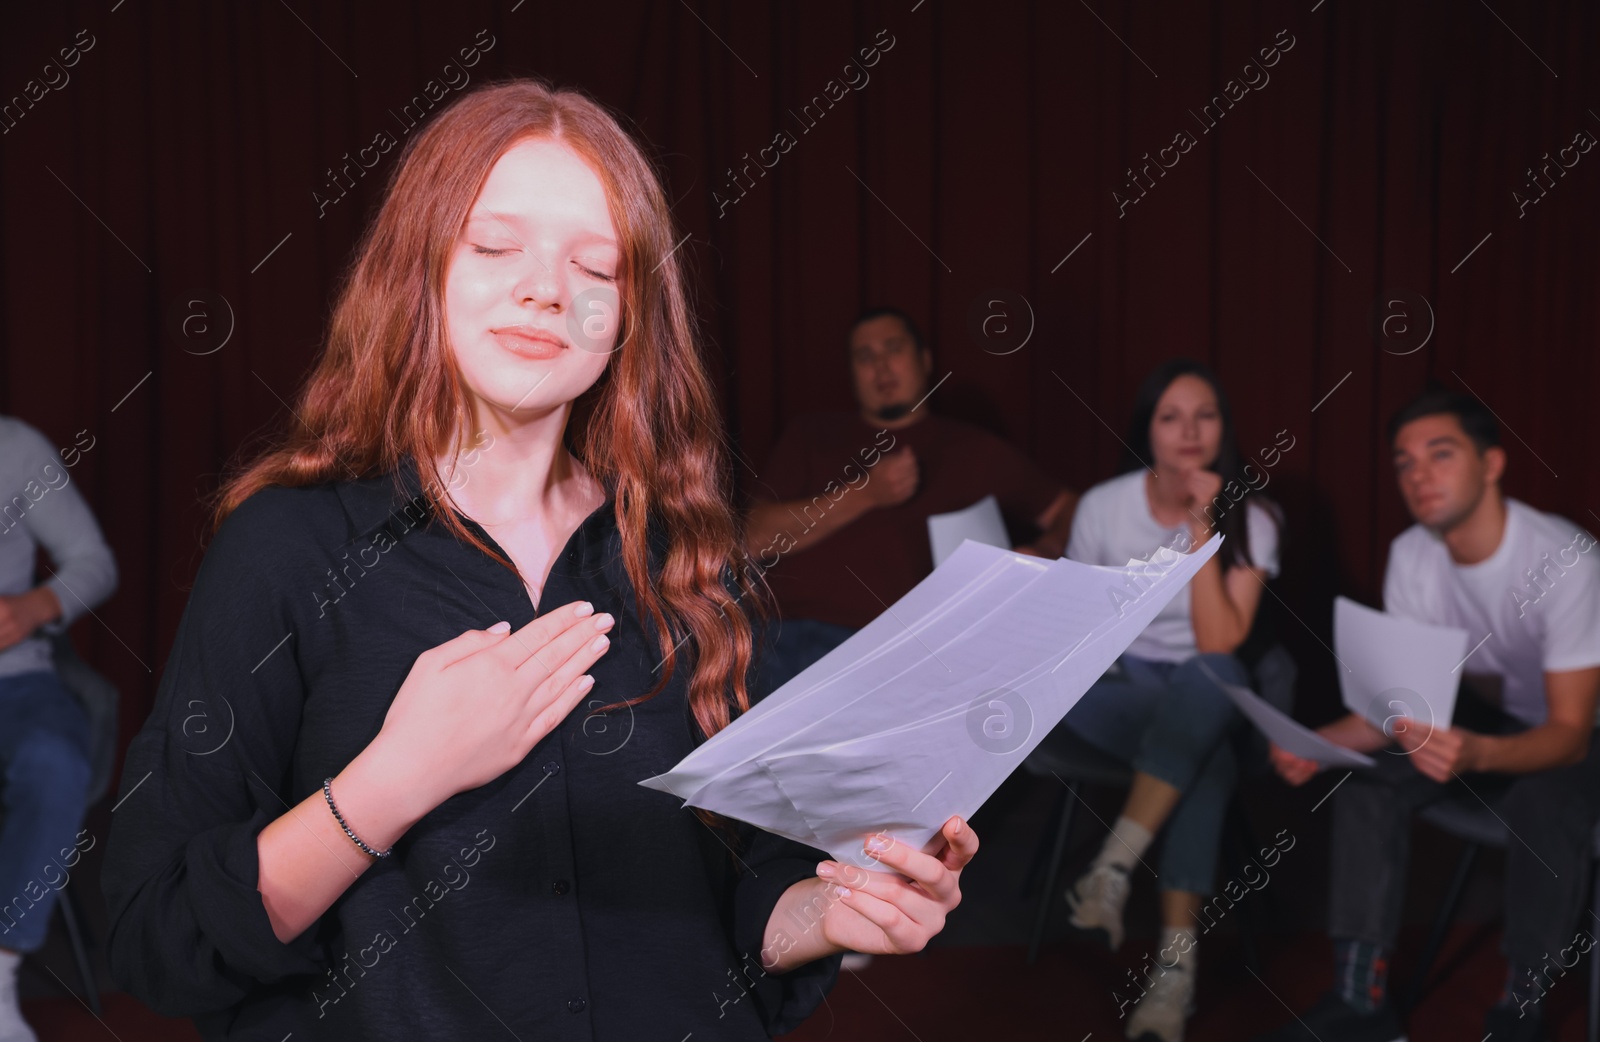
(373, 504)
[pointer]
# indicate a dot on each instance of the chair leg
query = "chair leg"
(1441, 924)
(77, 933)
(1058, 846)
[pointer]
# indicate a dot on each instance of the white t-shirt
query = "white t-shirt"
(1536, 599)
(1112, 526)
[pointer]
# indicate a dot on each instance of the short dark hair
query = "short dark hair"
(884, 312)
(1475, 418)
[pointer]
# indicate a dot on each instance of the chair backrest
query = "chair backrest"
(100, 701)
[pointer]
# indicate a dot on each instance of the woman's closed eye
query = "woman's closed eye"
(487, 251)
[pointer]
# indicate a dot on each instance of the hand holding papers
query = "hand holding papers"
(921, 714)
(1394, 668)
(981, 523)
(1284, 731)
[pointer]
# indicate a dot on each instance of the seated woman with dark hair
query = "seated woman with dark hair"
(1156, 708)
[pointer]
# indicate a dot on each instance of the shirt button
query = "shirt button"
(560, 886)
(552, 767)
(576, 1005)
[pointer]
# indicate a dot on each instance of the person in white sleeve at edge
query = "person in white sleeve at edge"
(1525, 586)
(44, 734)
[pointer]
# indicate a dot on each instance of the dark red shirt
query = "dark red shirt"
(826, 457)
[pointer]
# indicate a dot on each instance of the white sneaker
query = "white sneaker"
(853, 962)
(12, 1027)
(1161, 1014)
(1096, 900)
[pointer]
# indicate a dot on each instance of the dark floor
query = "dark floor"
(974, 981)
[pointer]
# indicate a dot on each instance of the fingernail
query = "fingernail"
(583, 608)
(500, 627)
(878, 843)
(599, 644)
(603, 620)
(585, 682)
(825, 869)
(956, 828)
(841, 891)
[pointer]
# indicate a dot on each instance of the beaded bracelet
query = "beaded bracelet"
(327, 792)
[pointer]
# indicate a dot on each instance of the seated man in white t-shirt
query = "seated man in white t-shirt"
(1525, 585)
(1157, 709)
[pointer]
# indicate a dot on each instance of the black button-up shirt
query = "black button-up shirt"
(562, 900)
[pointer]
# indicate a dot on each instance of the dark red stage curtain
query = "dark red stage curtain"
(991, 151)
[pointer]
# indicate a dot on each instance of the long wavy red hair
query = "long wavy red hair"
(386, 384)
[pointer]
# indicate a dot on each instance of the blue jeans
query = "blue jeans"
(1169, 720)
(44, 781)
(792, 645)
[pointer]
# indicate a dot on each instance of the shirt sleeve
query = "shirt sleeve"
(1572, 634)
(188, 932)
(1401, 595)
(770, 864)
(1264, 538)
(775, 864)
(60, 521)
(785, 477)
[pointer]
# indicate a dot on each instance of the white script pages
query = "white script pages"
(922, 713)
(1285, 731)
(1393, 668)
(981, 523)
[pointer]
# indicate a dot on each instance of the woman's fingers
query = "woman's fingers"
(570, 686)
(961, 844)
(553, 695)
(936, 875)
(464, 646)
(917, 904)
(582, 635)
(924, 869)
(526, 645)
(905, 933)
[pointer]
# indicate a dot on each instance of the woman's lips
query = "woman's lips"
(528, 344)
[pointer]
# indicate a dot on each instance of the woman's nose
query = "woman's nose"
(540, 285)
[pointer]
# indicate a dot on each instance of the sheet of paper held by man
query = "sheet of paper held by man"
(923, 712)
(981, 523)
(1393, 668)
(1285, 731)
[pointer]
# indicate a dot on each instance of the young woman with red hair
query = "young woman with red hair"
(364, 805)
